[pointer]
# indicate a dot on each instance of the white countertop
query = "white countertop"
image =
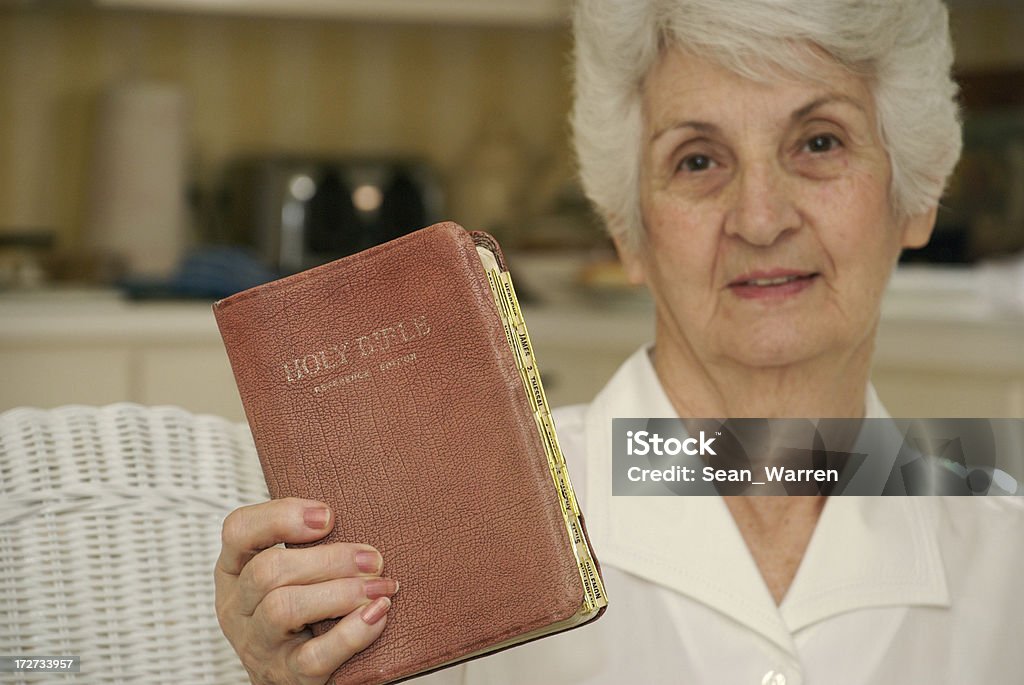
(99, 315)
(947, 306)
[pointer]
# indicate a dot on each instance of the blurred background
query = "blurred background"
(158, 154)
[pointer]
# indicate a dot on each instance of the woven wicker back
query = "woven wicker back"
(109, 528)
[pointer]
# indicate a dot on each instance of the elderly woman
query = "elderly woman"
(760, 164)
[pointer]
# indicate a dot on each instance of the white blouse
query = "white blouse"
(900, 590)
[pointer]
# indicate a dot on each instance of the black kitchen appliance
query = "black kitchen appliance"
(299, 212)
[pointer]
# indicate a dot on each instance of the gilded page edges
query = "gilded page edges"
(519, 341)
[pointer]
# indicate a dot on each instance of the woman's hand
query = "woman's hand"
(267, 595)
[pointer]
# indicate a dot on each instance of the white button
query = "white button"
(773, 678)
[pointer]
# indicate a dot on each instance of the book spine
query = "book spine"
(519, 340)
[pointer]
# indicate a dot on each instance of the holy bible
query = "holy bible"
(399, 386)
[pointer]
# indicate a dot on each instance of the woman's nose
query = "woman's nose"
(763, 206)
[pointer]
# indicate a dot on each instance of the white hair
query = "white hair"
(902, 48)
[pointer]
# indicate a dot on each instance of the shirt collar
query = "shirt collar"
(865, 551)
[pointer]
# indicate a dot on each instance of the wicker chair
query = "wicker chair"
(109, 528)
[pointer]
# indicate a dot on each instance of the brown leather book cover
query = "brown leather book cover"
(389, 385)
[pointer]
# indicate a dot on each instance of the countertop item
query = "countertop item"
(137, 209)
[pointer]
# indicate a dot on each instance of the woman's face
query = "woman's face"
(769, 234)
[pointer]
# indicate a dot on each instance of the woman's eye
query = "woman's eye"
(822, 143)
(696, 163)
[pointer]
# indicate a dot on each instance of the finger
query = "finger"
(319, 657)
(252, 529)
(278, 567)
(288, 610)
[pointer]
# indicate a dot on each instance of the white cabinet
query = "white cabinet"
(929, 368)
(93, 348)
(950, 344)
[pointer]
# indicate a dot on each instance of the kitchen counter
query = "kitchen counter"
(942, 349)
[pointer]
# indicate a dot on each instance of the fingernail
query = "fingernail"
(316, 517)
(380, 587)
(368, 561)
(375, 610)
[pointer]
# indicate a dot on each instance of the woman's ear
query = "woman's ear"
(917, 230)
(630, 254)
(629, 248)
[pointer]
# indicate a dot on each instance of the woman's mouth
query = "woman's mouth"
(772, 284)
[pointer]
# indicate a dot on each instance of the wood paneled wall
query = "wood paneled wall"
(264, 85)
